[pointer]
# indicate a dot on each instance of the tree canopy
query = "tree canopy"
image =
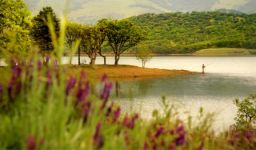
(15, 23)
(91, 39)
(122, 35)
(41, 31)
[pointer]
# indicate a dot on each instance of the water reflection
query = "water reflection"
(194, 85)
(214, 92)
(226, 79)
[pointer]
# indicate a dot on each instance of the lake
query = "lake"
(226, 79)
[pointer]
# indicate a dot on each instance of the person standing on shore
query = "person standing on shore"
(203, 68)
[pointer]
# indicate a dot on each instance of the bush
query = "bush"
(246, 115)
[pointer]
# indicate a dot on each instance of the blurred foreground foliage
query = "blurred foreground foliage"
(41, 107)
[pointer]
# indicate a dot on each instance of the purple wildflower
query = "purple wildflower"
(14, 63)
(201, 146)
(49, 78)
(109, 110)
(15, 85)
(39, 65)
(83, 92)
(16, 70)
(86, 110)
(171, 147)
(117, 113)
(31, 143)
(180, 131)
(70, 85)
(106, 91)
(249, 134)
(105, 94)
(180, 140)
(47, 60)
(159, 132)
(10, 89)
(104, 78)
(97, 137)
(130, 122)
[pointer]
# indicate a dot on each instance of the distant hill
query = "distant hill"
(89, 11)
(189, 32)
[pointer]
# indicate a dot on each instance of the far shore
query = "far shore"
(209, 52)
(125, 71)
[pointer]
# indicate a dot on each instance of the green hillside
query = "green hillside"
(188, 32)
(225, 52)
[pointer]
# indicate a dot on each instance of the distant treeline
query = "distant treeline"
(189, 32)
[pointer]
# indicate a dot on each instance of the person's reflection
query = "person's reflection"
(117, 87)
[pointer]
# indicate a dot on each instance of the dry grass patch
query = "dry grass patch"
(125, 71)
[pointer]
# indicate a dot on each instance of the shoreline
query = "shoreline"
(169, 55)
(124, 72)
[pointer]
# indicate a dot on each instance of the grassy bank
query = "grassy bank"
(125, 71)
(225, 52)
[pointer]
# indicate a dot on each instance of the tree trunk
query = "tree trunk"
(92, 61)
(79, 61)
(104, 57)
(105, 60)
(117, 57)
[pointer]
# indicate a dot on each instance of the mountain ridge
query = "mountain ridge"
(89, 11)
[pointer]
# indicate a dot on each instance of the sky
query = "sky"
(89, 11)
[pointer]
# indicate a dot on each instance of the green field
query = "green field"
(225, 52)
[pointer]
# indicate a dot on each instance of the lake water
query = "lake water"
(226, 79)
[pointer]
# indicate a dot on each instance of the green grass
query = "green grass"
(225, 52)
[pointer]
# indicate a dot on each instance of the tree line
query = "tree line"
(118, 35)
(172, 33)
(181, 33)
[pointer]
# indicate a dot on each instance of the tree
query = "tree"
(73, 34)
(122, 35)
(102, 29)
(143, 53)
(91, 39)
(15, 23)
(96, 37)
(246, 114)
(41, 31)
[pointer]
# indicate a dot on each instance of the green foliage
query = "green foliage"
(188, 32)
(41, 32)
(246, 115)
(224, 52)
(122, 35)
(143, 53)
(91, 39)
(15, 23)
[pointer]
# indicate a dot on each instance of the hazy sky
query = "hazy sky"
(91, 10)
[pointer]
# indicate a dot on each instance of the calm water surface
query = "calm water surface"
(227, 78)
